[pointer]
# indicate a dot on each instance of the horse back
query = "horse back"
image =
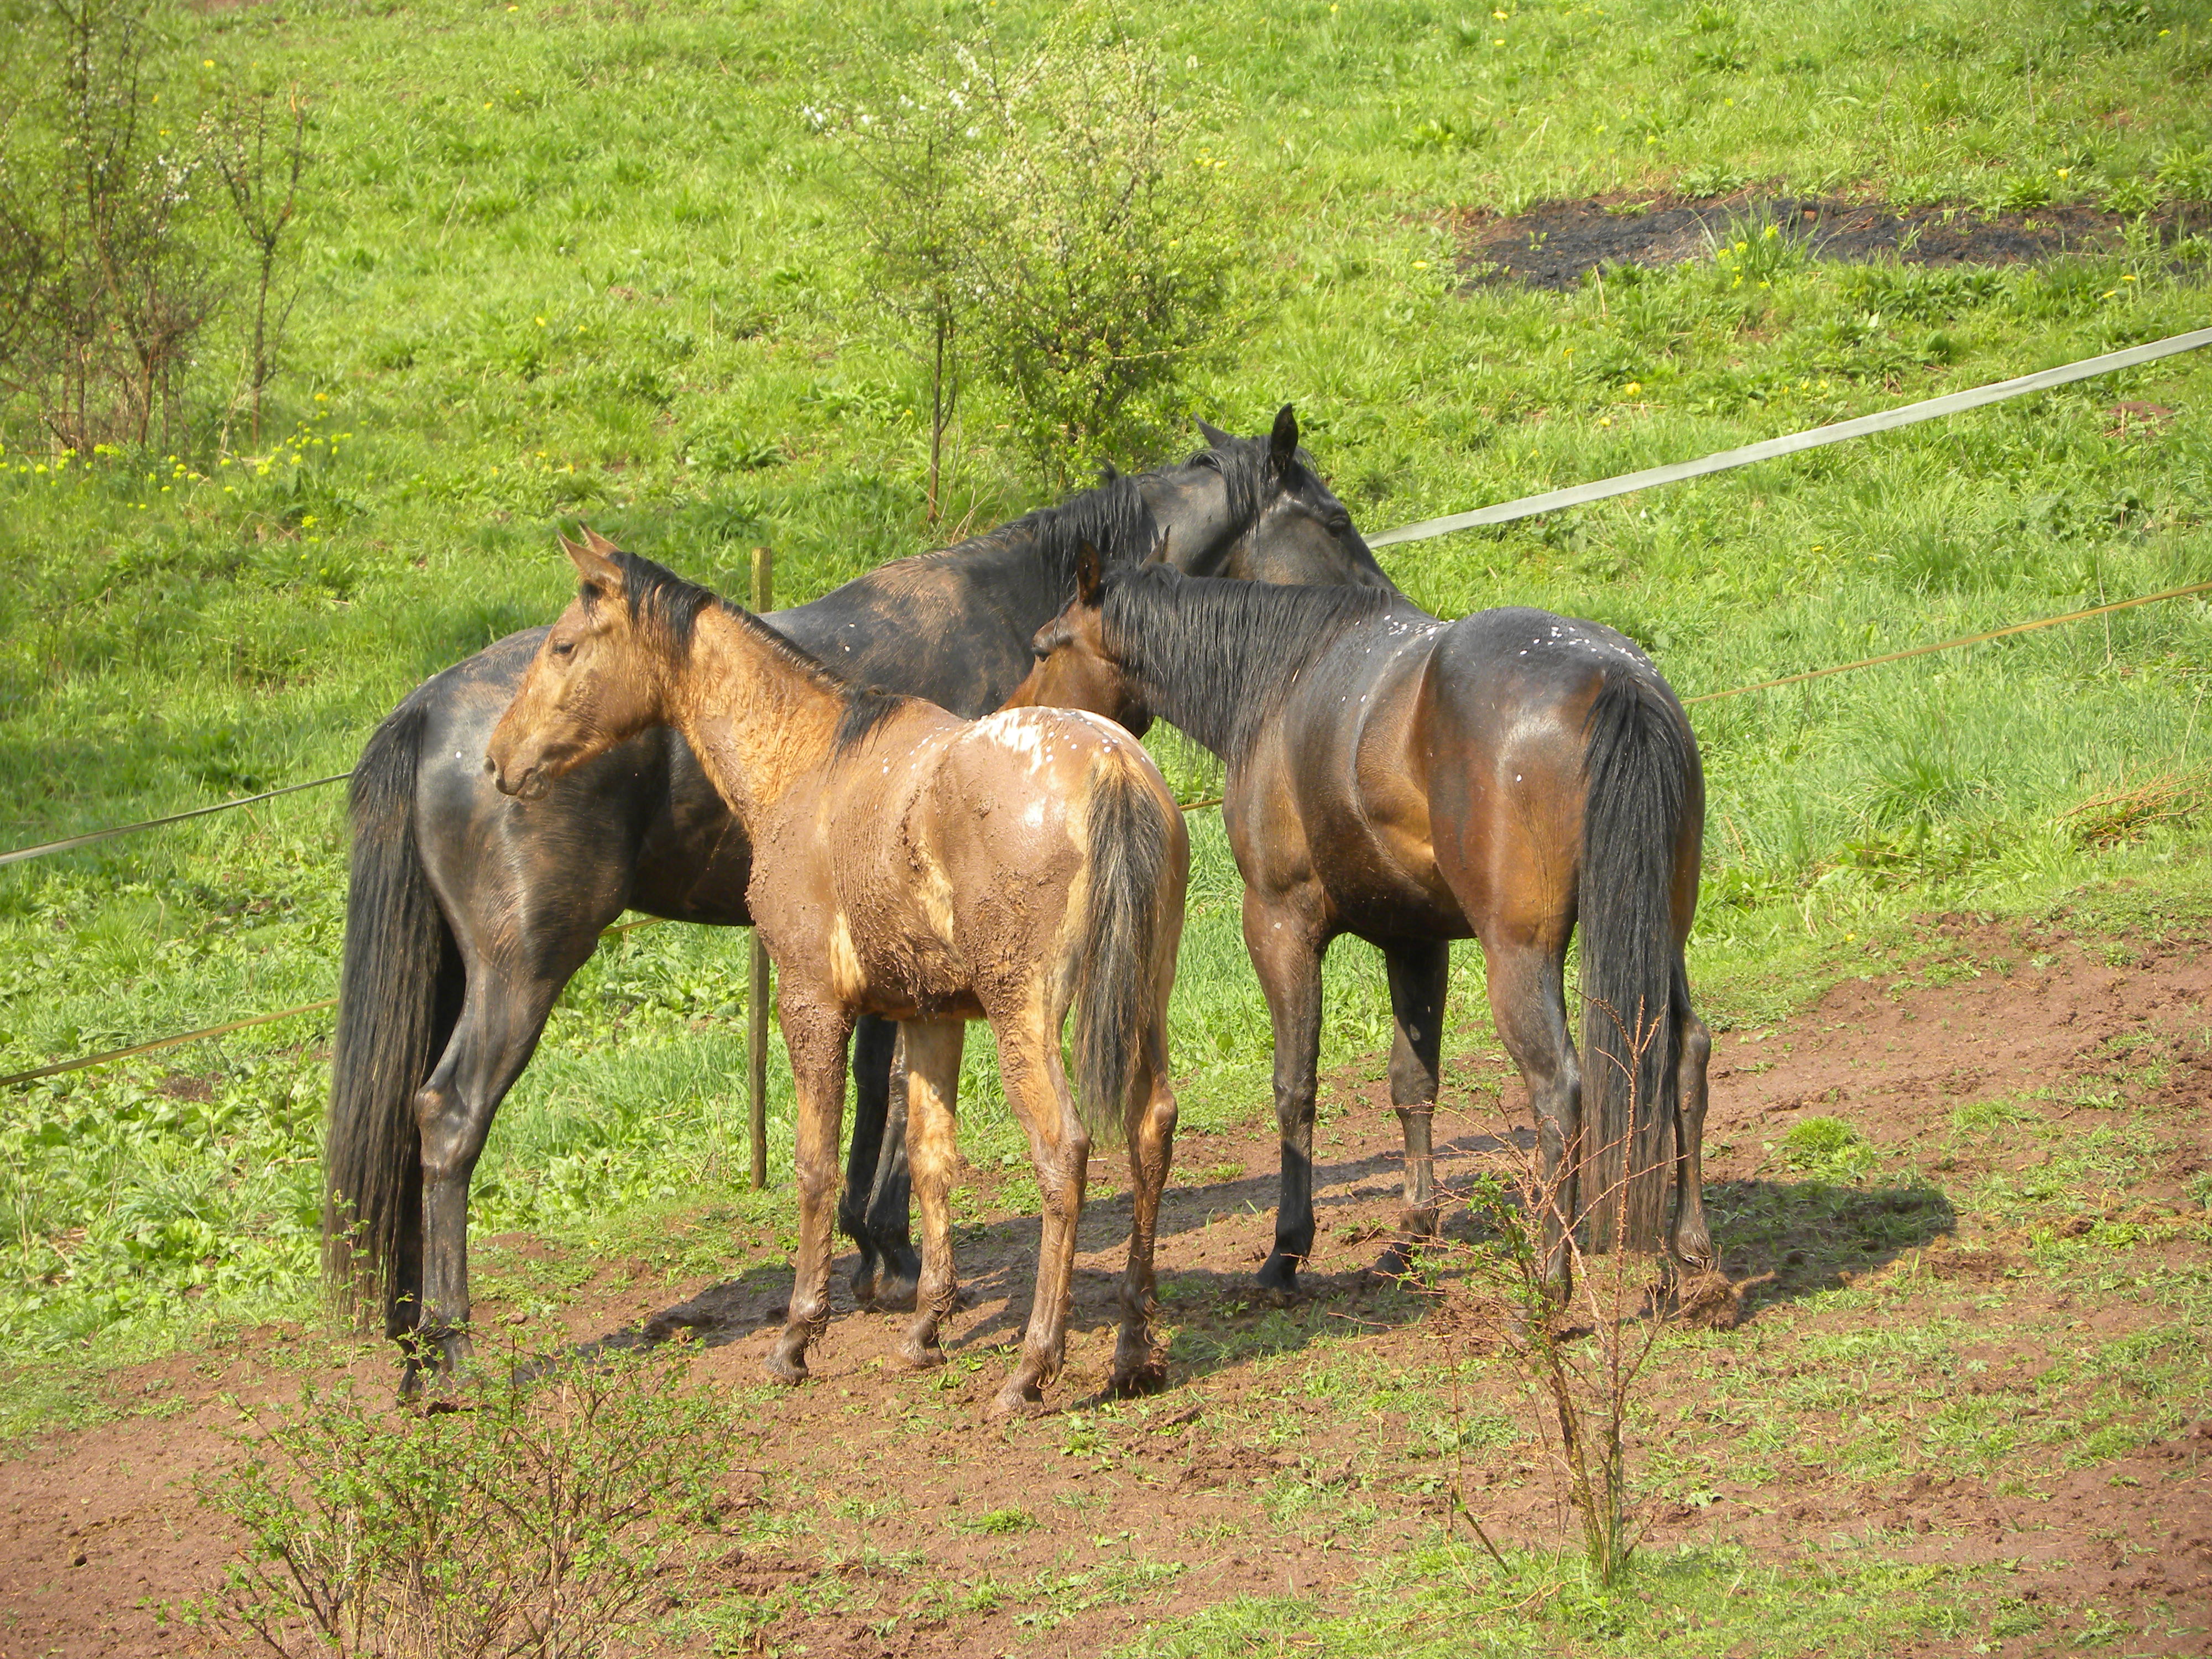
(927, 627)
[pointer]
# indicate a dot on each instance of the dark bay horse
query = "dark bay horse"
(920, 867)
(1413, 781)
(467, 914)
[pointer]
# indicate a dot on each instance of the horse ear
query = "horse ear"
(1282, 442)
(1214, 436)
(1086, 575)
(1159, 553)
(592, 562)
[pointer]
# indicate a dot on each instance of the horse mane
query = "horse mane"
(660, 597)
(1111, 516)
(1229, 649)
(1247, 471)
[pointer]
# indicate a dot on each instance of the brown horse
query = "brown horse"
(1413, 781)
(920, 867)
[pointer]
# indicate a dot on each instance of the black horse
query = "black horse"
(1511, 776)
(467, 913)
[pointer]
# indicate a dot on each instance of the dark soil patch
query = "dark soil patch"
(1555, 244)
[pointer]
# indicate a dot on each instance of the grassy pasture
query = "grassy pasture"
(586, 260)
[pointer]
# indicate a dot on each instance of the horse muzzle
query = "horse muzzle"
(528, 784)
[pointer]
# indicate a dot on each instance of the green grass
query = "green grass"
(1446, 1600)
(588, 261)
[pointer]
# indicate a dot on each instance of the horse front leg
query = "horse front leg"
(1418, 972)
(1286, 952)
(931, 1049)
(815, 1032)
(1151, 1123)
(872, 1210)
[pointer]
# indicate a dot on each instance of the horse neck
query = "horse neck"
(757, 720)
(1192, 505)
(1211, 657)
(1028, 566)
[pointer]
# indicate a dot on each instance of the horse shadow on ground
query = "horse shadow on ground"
(1783, 1241)
(1815, 1236)
(1220, 1315)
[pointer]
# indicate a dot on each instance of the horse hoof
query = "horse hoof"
(787, 1369)
(921, 1355)
(1138, 1381)
(1017, 1399)
(1280, 1275)
(892, 1292)
(863, 1281)
(1392, 1267)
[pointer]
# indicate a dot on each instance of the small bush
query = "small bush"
(1051, 222)
(534, 1519)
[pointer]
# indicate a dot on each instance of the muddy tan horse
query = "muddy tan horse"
(920, 867)
(1514, 775)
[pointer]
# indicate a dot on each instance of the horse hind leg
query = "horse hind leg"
(502, 1016)
(1527, 1001)
(1418, 972)
(872, 1209)
(933, 1067)
(1693, 1239)
(1060, 1149)
(1151, 1120)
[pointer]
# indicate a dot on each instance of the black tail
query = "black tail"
(396, 991)
(1638, 765)
(1117, 976)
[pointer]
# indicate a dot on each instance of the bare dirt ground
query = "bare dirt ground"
(877, 1514)
(1554, 243)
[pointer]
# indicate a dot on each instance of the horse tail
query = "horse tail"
(399, 979)
(1638, 762)
(1117, 975)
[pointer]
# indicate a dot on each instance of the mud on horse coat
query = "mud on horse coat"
(923, 868)
(468, 915)
(1411, 782)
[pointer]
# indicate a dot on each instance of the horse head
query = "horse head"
(590, 684)
(1073, 668)
(1255, 508)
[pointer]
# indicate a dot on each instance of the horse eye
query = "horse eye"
(1339, 523)
(564, 647)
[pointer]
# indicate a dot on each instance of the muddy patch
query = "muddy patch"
(1555, 244)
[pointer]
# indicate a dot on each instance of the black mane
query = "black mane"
(1111, 516)
(1221, 652)
(659, 596)
(1247, 470)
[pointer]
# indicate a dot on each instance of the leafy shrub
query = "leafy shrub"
(535, 1520)
(1053, 222)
